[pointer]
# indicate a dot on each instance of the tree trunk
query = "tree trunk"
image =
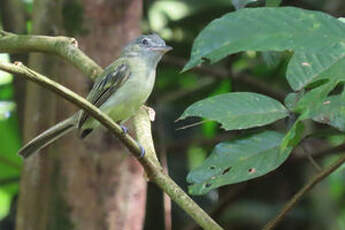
(79, 184)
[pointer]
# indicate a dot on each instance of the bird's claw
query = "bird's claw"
(142, 151)
(124, 129)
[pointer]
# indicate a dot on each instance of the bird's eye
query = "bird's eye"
(145, 42)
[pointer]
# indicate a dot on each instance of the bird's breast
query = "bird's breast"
(130, 96)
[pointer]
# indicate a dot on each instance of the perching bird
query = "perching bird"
(119, 91)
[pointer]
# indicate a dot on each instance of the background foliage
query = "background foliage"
(310, 46)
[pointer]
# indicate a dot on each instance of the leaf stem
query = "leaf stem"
(298, 196)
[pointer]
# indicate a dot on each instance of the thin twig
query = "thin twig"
(185, 92)
(310, 158)
(222, 73)
(192, 125)
(222, 204)
(314, 163)
(298, 196)
(149, 161)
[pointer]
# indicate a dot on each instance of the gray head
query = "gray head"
(149, 46)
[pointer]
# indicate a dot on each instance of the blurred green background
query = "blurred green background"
(247, 205)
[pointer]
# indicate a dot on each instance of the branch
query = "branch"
(65, 47)
(297, 197)
(149, 161)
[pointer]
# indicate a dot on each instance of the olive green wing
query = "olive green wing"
(106, 85)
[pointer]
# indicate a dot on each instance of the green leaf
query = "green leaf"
(305, 68)
(259, 29)
(318, 106)
(273, 3)
(238, 160)
(314, 96)
(330, 111)
(292, 99)
(294, 136)
(238, 110)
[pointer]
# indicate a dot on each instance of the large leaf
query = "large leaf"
(264, 29)
(311, 106)
(327, 110)
(238, 160)
(238, 110)
(305, 68)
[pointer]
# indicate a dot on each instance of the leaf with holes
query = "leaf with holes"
(258, 29)
(305, 68)
(238, 110)
(238, 160)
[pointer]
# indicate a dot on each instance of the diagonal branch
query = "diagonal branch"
(149, 161)
(298, 196)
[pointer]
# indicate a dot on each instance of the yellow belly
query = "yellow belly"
(124, 103)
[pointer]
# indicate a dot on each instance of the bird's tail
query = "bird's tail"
(47, 137)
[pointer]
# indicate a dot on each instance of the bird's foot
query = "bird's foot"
(124, 129)
(142, 151)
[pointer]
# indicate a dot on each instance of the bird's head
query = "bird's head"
(149, 46)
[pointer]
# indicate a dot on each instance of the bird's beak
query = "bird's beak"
(162, 49)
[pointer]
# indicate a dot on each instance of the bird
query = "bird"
(122, 88)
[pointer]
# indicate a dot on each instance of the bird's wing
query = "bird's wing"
(106, 85)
